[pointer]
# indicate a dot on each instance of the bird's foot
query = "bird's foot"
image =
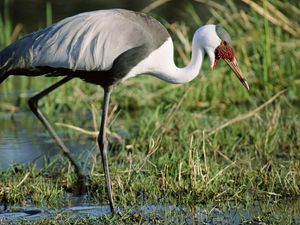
(83, 183)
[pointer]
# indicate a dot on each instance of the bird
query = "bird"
(105, 48)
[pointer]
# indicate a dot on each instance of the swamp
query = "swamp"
(205, 152)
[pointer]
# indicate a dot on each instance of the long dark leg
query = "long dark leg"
(102, 141)
(33, 104)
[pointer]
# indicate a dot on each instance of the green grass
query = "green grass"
(179, 152)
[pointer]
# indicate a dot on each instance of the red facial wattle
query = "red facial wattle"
(224, 51)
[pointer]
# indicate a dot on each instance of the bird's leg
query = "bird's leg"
(102, 141)
(33, 104)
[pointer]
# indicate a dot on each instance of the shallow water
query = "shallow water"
(284, 212)
(23, 140)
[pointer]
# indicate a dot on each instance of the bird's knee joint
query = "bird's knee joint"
(102, 143)
(32, 104)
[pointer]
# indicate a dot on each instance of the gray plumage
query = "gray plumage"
(92, 41)
(223, 35)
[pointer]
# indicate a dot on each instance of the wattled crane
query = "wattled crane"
(106, 47)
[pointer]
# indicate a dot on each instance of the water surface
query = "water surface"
(23, 140)
(284, 212)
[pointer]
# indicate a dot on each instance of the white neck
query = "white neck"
(169, 72)
(172, 74)
(160, 63)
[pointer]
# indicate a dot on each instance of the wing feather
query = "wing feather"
(88, 41)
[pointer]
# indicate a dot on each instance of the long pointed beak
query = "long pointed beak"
(236, 69)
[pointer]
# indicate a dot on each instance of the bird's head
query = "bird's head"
(217, 44)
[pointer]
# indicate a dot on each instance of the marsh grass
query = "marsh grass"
(179, 152)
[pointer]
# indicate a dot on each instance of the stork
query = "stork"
(106, 47)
